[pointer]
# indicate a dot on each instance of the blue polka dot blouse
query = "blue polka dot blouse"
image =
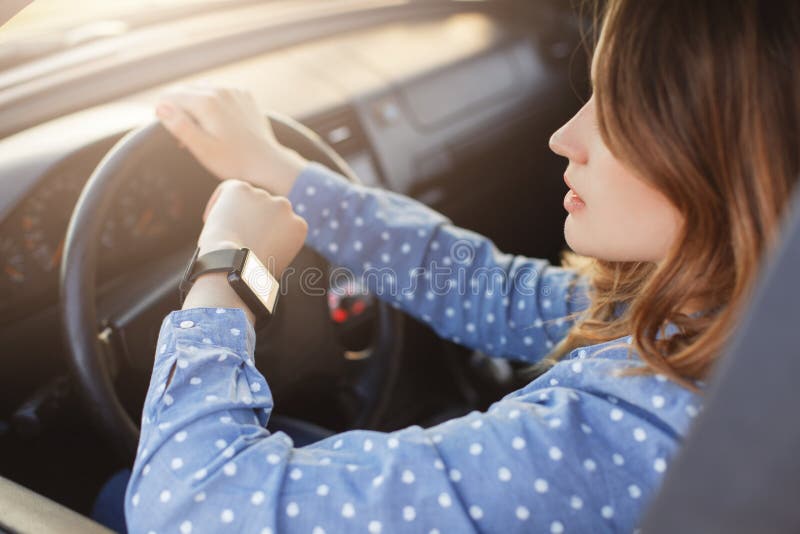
(576, 450)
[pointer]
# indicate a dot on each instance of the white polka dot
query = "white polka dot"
(556, 527)
(333, 247)
(358, 245)
(186, 527)
(220, 310)
(577, 367)
(195, 380)
(317, 530)
(385, 236)
(273, 458)
(135, 499)
(405, 248)
(409, 513)
(165, 496)
(229, 469)
(522, 513)
(348, 510)
(555, 422)
(334, 224)
(310, 190)
(513, 414)
(639, 434)
(266, 530)
(691, 411)
(504, 474)
(444, 500)
(337, 444)
(257, 498)
(475, 449)
(607, 512)
(168, 400)
(660, 465)
(200, 474)
(377, 481)
(200, 497)
(367, 445)
(476, 424)
(145, 470)
(658, 401)
(586, 428)
(455, 475)
(518, 443)
(228, 453)
(352, 467)
(554, 381)
(323, 490)
(163, 348)
(555, 453)
(358, 221)
(292, 509)
(615, 414)
(296, 474)
(576, 502)
(255, 387)
(187, 324)
(235, 331)
(438, 464)
(407, 477)
(475, 512)
(618, 459)
(392, 443)
(176, 463)
(180, 436)
(540, 485)
(385, 258)
(634, 491)
(528, 340)
(589, 464)
(375, 527)
(182, 363)
(325, 461)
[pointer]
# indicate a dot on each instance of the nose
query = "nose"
(569, 141)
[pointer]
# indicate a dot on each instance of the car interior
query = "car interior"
(450, 102)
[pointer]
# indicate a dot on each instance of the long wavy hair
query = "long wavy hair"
(702, 99)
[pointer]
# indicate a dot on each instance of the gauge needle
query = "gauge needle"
(144, 220)
(12, 272)
(56, 257)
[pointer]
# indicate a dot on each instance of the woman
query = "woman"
(679, 167)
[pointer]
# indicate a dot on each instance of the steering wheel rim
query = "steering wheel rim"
(77, 277)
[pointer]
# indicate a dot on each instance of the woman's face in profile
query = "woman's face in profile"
(618, 217)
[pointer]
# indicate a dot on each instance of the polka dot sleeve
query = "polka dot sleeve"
(560, 455)
(453, 279)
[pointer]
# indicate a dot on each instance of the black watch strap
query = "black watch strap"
(221, 260)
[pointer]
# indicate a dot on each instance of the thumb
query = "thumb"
(211, 201)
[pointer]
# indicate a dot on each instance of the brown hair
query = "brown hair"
(701, 99)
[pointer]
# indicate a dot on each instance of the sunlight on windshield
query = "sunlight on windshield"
(42, 16)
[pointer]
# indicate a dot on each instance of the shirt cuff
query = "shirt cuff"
(227, 327)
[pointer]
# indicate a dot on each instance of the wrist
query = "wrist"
(279, 174)
(212, 290)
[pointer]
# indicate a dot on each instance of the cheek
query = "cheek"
(624, 220)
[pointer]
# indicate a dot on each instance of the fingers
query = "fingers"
(185, 129)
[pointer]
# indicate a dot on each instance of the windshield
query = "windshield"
(42, 17)
(47, 26)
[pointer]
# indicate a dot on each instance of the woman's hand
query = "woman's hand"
(227, 133)
(240, 215)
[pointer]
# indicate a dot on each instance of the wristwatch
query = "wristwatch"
(248, 277)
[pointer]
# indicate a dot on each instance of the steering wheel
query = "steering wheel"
(94, 346)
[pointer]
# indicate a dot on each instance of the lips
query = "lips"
(572, 189)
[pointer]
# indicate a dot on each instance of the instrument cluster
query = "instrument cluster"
(153, 211)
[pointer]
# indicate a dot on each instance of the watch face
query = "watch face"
(259, 279)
